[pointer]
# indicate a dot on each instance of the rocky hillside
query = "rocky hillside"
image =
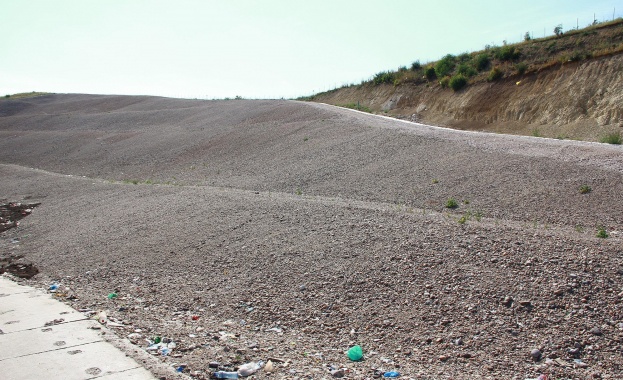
(566, 87)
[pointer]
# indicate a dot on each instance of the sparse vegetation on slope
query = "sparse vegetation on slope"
(563, 86)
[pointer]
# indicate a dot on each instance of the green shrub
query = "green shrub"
(452, 203)
(457, 82)
(526, 37)
(444, 82)
(495, 74)
(415, 66)
(445, 66)
(402, 68)
(481, 61)
(384, 77)
(7, 96)
(612, 138)
(507, 53)
(521, 68)
(463, 57)
(466, 70)
(429, 72)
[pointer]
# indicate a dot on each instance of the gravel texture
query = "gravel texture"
(255, 230)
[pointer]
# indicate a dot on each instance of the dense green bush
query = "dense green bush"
(384, 77)
(481, 62)
(495, 74)
(457, 82)
(445, 66)
(467, 70)
(415, 66)
(507, 53)
(429, 72)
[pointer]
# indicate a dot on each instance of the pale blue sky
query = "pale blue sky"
(255, 49)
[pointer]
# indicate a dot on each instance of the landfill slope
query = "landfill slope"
(247, 230)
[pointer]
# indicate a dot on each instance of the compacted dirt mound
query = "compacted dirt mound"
(255, 230)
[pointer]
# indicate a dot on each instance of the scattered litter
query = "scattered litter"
(114, 324)
(112, 295)
(181, 368)
(53, 287)
(102, 317)
(278, 330)
(249, 368)
(269, 366)
(391, 374)
(355, 353)
(225, 375)
(579, 363)
(195, 317)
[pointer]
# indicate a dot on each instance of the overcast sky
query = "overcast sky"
(252, 48)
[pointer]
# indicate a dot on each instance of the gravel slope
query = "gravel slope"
(302, 229)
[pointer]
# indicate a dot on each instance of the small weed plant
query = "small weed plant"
(601, 233)
(452, 203)
(585, 189)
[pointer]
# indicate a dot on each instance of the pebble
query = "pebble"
(338, 373)
(536, 354)
(596, 331)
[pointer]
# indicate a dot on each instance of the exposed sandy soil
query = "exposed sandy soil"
(575, 100)
(302, 229)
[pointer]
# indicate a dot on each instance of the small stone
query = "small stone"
(536, 354)
(596, 331)
(338, 373)
(525, 303)
(214, 364)
(507, 301)
(443, 358)
(575, 352)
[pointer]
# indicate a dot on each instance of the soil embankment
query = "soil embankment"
(246, 230)
(576, 100)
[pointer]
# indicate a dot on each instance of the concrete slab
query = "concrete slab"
(29, 310)
(92, 360)
(10, 287)
(34, 341)
(33, 346)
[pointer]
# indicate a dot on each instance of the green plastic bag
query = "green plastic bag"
(355, 353)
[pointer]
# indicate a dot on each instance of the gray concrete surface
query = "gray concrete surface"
(42, 338)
